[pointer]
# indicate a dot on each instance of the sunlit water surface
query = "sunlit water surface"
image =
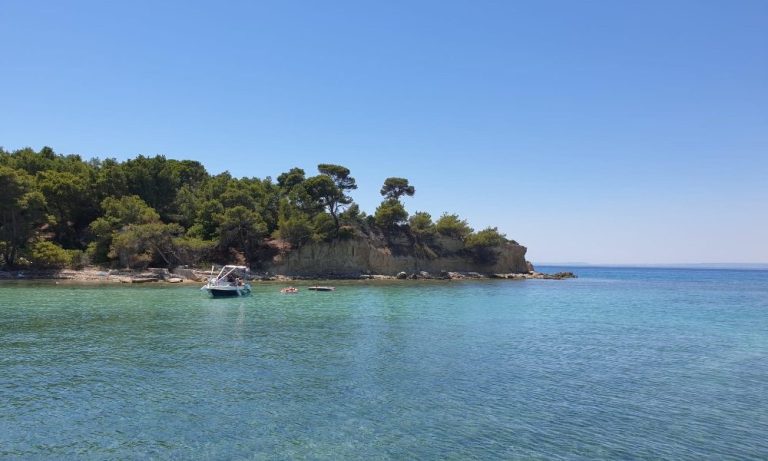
(620, 363)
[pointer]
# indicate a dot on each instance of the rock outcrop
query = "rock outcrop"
(359, 255)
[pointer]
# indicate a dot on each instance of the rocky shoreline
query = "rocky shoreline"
(182, 275)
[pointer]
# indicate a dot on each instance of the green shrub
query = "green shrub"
(323, 227)
(78, 259)
(452, 226)
(97, 251)
(390, 214)
(488, 237)
(48, 255)
(297, 229)
(192, 251)
(352, 216)
(422, 226)
(130, 249)
(485, 245)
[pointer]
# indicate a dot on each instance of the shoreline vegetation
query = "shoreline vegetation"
(63, 215)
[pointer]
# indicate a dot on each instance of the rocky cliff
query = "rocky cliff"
(361, 255)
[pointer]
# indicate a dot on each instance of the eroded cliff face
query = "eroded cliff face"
(368, 256)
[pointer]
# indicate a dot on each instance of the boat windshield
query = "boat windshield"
(230, 276)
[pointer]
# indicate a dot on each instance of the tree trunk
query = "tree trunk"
(335, 221)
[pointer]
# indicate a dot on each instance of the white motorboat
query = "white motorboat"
(230, 281)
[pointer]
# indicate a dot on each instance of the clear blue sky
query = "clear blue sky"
(595, 131)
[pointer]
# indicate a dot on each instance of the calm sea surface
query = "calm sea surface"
(618, 364)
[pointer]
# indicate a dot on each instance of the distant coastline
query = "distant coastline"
(730, 266)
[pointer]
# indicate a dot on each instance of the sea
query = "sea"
(619, 363)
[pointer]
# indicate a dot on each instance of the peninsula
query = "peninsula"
(62, 212)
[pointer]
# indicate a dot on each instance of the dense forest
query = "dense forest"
(62, 211)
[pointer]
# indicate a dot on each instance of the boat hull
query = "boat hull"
(228, 293)
(225, 294)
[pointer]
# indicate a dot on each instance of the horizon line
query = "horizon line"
(761, 265)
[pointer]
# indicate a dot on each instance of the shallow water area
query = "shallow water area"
(619, 363)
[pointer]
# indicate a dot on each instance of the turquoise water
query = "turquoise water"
(618, 364)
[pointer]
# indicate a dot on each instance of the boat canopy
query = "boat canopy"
(228, 269)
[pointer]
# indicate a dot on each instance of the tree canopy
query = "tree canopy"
(451, 225)
(422, 225)
(333, 198)
(484, 244)
(394, 188)
(151, 210)
(390, 214)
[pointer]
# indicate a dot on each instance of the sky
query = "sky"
(606, 132)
